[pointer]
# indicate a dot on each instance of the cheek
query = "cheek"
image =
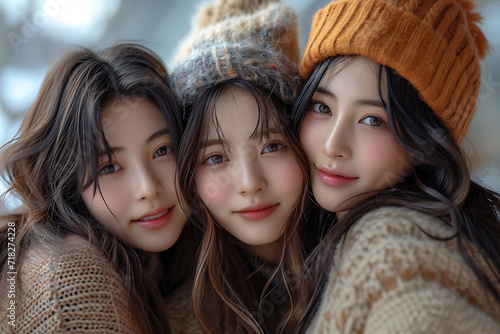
(287, 178)
(388, 164)
(213, 187)
(88, 197)
(310, 136)
(376, 151)
(167, 174)
(113, 201)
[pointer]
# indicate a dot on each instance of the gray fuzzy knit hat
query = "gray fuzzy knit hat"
(253, 40)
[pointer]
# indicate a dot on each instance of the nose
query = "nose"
(338, 140)
(251, 178)
(146, 183)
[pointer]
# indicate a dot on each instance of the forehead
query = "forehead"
(355, 74)
(130, 118)
(238, 113)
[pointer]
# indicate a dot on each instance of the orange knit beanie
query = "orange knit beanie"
(434, 44)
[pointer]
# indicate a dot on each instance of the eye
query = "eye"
(273, 147)
(164, 150)
(373, 121)
(109, 169)
(319, 107)
(215, 159)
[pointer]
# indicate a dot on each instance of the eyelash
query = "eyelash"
(382, 121)
(100, 171)
(282, 146)
(321, 104)
(211, 156)
(165, 146)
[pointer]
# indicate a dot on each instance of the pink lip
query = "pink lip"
(157, 222)
(257, 212)
(334, 178)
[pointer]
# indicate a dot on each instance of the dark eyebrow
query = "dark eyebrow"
(113, 151)
(155, 135)
(270, 131)
(324, 91)
(372, 103)
(211, 142)
(363, 102)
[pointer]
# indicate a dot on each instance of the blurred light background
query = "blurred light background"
(33, 32)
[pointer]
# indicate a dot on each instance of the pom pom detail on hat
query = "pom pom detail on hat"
(255, 40)
(473, 19)
(434, 44)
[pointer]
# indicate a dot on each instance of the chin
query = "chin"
(153, 247)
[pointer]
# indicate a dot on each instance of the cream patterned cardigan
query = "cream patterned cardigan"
(73, 290)
(390, 277)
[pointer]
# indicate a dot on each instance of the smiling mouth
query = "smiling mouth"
(155, 221)
(334, 180)
(257, 213)
(145, 219)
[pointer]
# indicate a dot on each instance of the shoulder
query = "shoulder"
(401, 240)
(394, 246)
(393, 232)
(72, 285)
(400, 222)
(396, 269)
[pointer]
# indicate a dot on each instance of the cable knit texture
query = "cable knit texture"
(75, 290)
(390, 277)
(253, 40)
(434, 44)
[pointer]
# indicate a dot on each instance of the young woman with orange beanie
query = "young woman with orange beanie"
(414, 245)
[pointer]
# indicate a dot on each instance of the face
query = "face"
(345, 134)
(251, 187)
(139, 202)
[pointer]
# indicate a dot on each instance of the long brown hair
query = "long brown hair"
(438, 183)
(54, 157)
(229, 295)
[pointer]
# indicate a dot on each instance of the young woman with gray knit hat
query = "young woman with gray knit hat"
(242, 172)
(414, 245)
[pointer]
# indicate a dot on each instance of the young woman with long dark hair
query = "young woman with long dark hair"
(242, 171)
(414, 243)
(94, 167)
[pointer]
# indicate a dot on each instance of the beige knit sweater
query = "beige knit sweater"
(74, 290)
(390, 277)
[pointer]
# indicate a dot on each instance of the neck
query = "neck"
(269, 253)
(155, 266)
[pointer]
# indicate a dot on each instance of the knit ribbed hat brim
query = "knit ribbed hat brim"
(428, 42)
